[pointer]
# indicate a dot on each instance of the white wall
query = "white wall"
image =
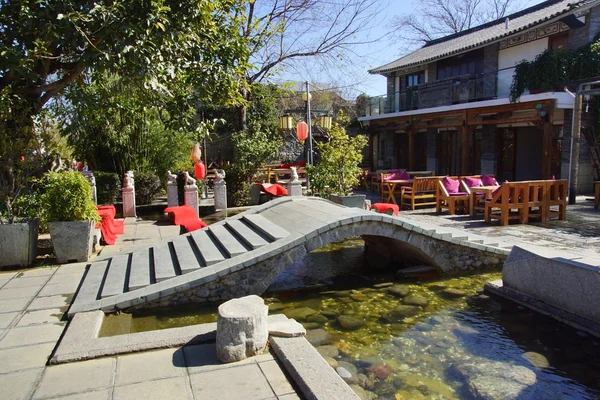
(508, 58)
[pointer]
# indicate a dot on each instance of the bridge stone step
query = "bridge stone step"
(186, 256)
(266, 227)
(93, 279)
(115, 278)
(139, 275)
(230, 244)
(163, 262)
(209, 251)
(252, 238)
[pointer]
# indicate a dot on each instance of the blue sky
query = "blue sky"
(351, 74)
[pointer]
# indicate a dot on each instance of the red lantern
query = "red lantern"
(302, 131)
(199, 170)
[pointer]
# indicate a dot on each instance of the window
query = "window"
(414, 79)
(465, 64)
(559, 42)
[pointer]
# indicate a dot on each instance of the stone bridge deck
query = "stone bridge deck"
(245, 253)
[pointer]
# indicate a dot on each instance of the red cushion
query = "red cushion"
(472, 182)
(451, 185)
(275, 189)
(383, 207)
(488, 180)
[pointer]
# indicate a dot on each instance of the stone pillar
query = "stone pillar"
(94, 191)
(294, 188)
(489, 150)
(172, 192)
(190, 197)
(255, 194)
(242, 329)
(220, 189)
(128, 202)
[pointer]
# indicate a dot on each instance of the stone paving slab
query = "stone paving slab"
(21, 282)
(41, 303)
(141, 367)
(172, 388)
(16, 293)
(9, 305)
(6, 319)
(77, 377)
(217, 384)
(23, 358)
(26, 336)
(47, 316)
(276, 378)
(60, 288)
(20, 385)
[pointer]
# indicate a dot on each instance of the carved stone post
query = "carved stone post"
(242, 329)
(220, 188)
(172, 195)
(128, 195)
(294, 186)
(190, 193)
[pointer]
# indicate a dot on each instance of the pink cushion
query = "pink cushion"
(397, 176)
(488, 180)
(472, 182)
(451, 185)
(404, 176)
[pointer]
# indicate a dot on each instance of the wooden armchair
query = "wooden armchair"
(477, 199)
(422, 192)
(556, 199)
(509, 202)
(451, 201)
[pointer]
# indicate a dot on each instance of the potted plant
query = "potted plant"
(71, 214)
(338, 172)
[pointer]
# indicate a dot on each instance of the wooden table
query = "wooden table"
(391, 185)
(486, 190)
(596, 194)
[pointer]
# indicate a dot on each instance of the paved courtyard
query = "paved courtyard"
(32, 304)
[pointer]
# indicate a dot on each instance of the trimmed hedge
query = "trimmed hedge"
(108, 186)
(147, 187)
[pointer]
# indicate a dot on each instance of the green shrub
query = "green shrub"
(107, 187)
(29, 204)
(68, 197)
(147, 187)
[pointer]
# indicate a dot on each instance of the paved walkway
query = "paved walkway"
(32, 304)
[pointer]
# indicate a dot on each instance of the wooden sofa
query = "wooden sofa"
(451, 201)
(422, 192)
(522, 201)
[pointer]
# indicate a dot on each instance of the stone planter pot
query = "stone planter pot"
(72, 241)
(353, 200)
(18, 243)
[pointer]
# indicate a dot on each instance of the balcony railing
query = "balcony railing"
(460, 89)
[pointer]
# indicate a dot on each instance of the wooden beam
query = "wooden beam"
(474, 112)
(547, 144)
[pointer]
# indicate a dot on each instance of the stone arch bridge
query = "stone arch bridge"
(243, 254)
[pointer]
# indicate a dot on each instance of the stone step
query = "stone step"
(115, 278)
(91, 284)
(139, 274)
(268, 228)
(230, 244)
(186, 254)
(249, 236)
(208, 249)
(163, 262)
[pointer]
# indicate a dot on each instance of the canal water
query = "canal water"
(434, 337)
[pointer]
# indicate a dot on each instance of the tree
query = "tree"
(46, 46)
(439, 18)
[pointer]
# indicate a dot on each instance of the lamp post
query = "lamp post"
(306, 97)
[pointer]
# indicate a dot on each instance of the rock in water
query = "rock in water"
(328, 350)
(536, 359)
(299, 314)
(242, 329)
(399, 290)
(346, 375)
(318, 337)
(416, 300)
(360, 392)
(451, 292)
(350, 323)
(403, 311)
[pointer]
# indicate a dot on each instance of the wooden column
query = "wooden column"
(464, 159)
(547, 143)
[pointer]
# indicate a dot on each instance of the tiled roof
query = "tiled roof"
(486, 33)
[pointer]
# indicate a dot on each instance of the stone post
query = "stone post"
(242, 329)
(128, 195)
(190, 193)
(172, 195)
(220, 188)
(294, 186)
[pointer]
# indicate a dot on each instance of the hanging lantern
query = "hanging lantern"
(325, 121)
(302, 131)
(195, 156)
(286, 122)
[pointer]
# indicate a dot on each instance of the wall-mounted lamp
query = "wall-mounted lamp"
(543, 114)
(325, 121)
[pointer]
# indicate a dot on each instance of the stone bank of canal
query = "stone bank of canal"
(438, 338)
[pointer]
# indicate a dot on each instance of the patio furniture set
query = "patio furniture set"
(519, 201)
